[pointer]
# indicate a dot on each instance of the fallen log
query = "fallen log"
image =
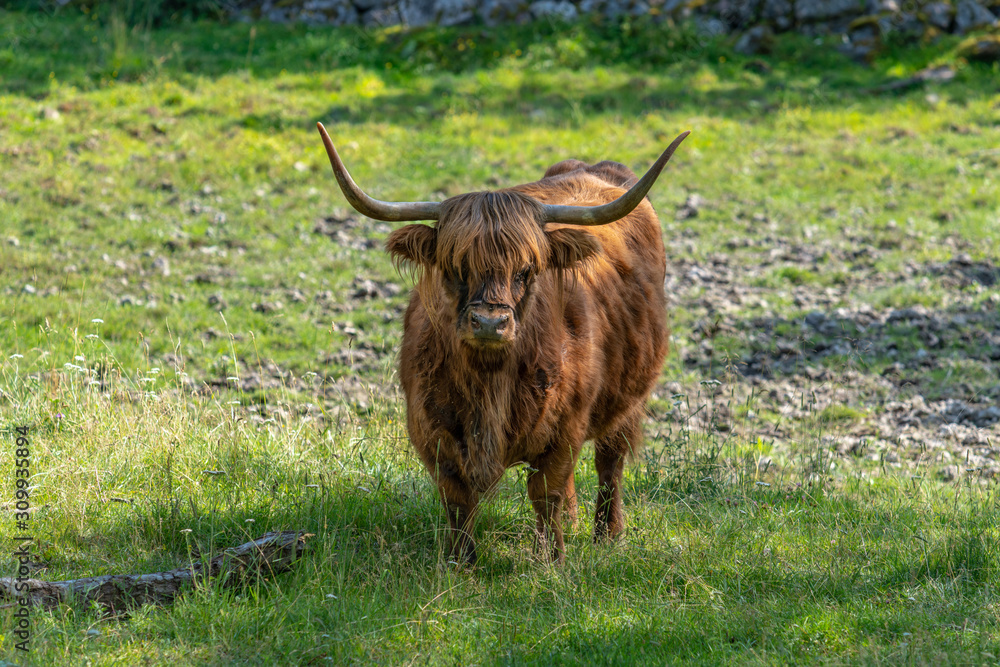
(941, 73)
(270, 554)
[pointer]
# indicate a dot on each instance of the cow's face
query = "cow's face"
(488, 250)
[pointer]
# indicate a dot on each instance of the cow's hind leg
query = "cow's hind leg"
(609, 459)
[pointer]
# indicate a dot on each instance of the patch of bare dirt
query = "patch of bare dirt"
(901, 386)
(350, 231)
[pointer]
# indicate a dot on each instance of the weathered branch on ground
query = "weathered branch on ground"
(270, 554)
(937, 74)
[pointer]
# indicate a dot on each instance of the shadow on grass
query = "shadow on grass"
(768, 574)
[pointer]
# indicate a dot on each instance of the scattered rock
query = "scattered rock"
(883, 7)
(970, 15)
(563, 11)
(738, 14)
(755, 41)
(778, 13)
(217, 302)
(493, 12)
(815, 319)
(690, 207)
(331, 12)
(965, 272)
(162, 264)
(984, 48)
(939, 14)
(906, 23)
(345, 328)
(381, 17)
(960, 412)
(417, 13)
(707, 27)
(347, 232)
(808, 11)
(365, 288)
(910, 316)
(864, 39)
(267, 307)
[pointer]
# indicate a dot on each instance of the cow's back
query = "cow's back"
(621, 290)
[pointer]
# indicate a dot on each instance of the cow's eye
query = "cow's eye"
(458, 274)
(524, 275)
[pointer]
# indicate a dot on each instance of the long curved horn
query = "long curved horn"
(373, 208)
(619, 208)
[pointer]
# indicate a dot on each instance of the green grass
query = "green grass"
(172, 301)
(839, 413)
(719, 564)
(796, 275)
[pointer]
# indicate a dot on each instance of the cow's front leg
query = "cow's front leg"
(548, 486)
(462, 502)
(569, 502)
(461, 517)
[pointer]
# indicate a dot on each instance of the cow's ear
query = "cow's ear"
(416, 244)
(568, 247)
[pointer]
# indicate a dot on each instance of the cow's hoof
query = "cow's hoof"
(464, 554)
(607, 534)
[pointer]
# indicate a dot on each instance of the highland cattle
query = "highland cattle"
(538, 322)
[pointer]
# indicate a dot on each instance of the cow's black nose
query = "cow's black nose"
(489, 326)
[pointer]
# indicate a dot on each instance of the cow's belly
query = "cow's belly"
(631, 353)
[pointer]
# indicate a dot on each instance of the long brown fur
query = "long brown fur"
(586, 354)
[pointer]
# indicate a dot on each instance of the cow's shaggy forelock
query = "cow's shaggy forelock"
(491, 233)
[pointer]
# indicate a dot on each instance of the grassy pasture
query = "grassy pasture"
(183, 290)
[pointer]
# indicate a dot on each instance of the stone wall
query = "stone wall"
(862, 23)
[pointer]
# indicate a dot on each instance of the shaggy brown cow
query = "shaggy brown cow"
(527, 335)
